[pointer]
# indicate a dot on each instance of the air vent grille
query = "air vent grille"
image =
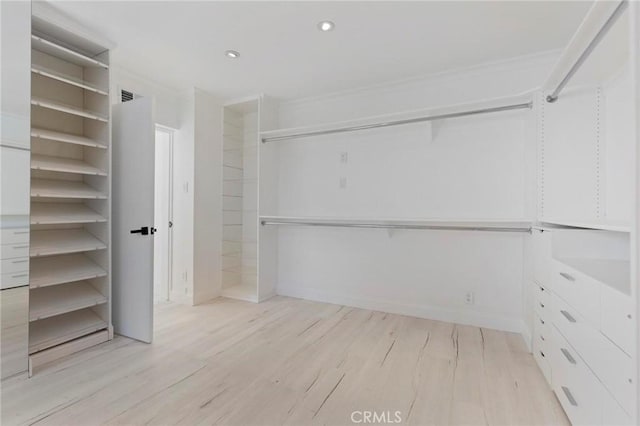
(126, 96)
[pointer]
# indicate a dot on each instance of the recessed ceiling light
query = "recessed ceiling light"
(232, 54)
(326, 26)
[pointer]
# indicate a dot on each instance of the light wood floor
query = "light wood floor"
(289, 361)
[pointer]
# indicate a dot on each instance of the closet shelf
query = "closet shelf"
(604, 226)
(63, 241)
(69, 109)
(66, 213)
(65, 165)
(51, 301)
(53, 331)
(53, 270)
(64, 53)
(612, 272)
(74, 81)
(65, 137)
(63, 189)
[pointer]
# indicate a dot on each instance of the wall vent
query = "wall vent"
(126, 96)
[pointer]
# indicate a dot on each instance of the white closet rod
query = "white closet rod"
(399, 226)
(590, 47)
(526, 105)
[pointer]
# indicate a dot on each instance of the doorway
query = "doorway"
(162, 245)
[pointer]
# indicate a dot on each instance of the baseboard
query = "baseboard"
(456, 316)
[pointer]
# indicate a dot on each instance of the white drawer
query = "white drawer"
(541, 346)
(541, 359)
(612, 412)
(578, 390)
(14, 236)
(612, 366)
(617, 321)
(12, 251)
(20, 264)
(14, 279)
(541, 329)
(578, 290)
(542, 300)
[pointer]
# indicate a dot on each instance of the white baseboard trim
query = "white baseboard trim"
(452, 315)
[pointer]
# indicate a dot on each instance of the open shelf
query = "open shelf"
(604, 226)
(42, 45)
(65, 137)
(55, 214)
(65, 165)
(63, 241)
(69, 109)
(53, 331)
(51, 301)
(74, 81)
(245, 292)
(51, 188)
(612, 272)
(53, 270)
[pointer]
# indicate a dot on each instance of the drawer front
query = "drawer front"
(618, 316)
(541, 329)
(610, 364)
(578, 390)
(14, 279)
(542, 301)
(14, 236)
(14, 312)
(613, 414)
(541, 346)
(12, 251)
(541, 359)
(12, 266)
(578, 290)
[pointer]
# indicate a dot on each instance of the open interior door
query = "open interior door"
(132, 214)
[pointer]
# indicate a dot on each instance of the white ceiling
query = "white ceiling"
(181, 44)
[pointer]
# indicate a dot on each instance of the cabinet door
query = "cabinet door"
(14, 181)
(570, 157)
(542, 257)
(14, 337)
(15, 107)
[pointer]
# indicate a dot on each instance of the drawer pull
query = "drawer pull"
(541, 321)
(570, 397)
(542, 353)
(629, 316)
(541, 305)
(19, 275)
(568, 316)
(567, 276)
(567, 355)
(542, 337)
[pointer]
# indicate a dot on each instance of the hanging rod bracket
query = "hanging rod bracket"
(551, 99)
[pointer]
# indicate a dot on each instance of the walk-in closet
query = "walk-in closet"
(271, 213)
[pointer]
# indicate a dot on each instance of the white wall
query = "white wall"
(473, 168)
(208, 197)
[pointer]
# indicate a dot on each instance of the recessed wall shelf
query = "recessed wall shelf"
(66, 108)
(42, 45)
(53, 270)
(65, 165)
(51, 188)
(64, 213)
(52, 331)
(65, 137)
(63, 241)
(50, 301)
(74, 81)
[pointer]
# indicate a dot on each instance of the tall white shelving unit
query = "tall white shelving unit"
(70, 284)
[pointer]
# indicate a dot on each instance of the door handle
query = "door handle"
(144, 230)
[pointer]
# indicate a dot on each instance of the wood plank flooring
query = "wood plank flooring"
(289, 362)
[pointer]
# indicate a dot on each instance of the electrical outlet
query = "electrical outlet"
(468, 298)
(344, 157)
(343, 182)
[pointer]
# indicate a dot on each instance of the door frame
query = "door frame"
(171, 133)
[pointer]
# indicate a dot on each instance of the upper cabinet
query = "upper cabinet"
(586, 150)
(16, 77)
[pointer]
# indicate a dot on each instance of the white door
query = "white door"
(163, 215)
(133, 214)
